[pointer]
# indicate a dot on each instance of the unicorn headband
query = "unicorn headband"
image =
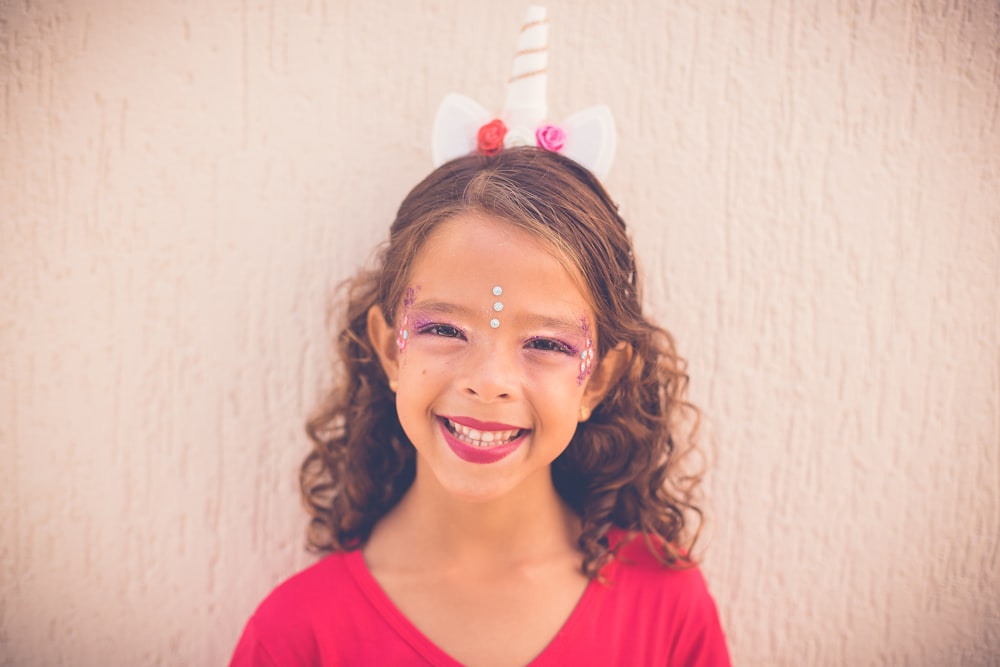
(463, 126)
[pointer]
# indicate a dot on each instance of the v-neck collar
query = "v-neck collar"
(435, 655)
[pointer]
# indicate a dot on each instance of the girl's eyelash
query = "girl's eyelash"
(441, 330)
(550, 345)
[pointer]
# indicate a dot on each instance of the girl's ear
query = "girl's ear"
(383, 340)
(605, 376)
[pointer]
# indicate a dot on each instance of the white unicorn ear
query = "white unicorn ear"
(590, 139)
(456, 127)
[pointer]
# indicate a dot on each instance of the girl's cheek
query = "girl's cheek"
(557, 369)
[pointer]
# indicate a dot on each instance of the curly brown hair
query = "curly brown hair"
(622, 468)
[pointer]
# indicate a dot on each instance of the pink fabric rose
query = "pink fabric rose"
(490, 139)
(550, 137)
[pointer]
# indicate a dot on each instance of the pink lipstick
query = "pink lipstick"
(471, 439)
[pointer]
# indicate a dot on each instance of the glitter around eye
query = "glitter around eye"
(497, 291)
(494, 323)
(404, 332)
(586, 357)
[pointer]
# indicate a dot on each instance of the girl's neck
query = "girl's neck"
(431, 528)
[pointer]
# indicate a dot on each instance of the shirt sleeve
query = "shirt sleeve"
(250, 651)
(701, 641)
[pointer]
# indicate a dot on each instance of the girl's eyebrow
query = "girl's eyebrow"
(550, 322)
(441, 308)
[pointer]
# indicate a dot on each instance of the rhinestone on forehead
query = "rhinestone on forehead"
(497, 306)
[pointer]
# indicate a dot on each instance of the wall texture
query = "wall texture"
(813, 187)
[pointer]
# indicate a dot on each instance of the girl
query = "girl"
(497, 477)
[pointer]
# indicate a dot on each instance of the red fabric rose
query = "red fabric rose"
(550, 137)
(490, 139)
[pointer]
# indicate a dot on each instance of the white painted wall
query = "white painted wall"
(813, 187)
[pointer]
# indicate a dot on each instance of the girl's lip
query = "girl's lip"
(480, 455)
(482, 426)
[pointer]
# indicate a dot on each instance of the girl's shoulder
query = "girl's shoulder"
(635, 565)
(643, 612)
(634, 548)
(329, 577)
(283, 629)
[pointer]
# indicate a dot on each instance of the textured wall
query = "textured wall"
(814, 190)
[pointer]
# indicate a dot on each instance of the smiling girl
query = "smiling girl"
(497, 479)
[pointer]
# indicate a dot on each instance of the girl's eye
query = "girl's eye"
(548, 345)
(442, 330)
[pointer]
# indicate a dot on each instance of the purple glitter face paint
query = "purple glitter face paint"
(403, 334)
(419, 323)
(587, 355)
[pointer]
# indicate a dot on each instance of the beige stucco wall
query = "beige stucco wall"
(813, 187)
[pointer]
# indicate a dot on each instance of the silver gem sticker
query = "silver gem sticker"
(497, 306)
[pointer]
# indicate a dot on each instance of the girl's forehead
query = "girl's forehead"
(476, 259)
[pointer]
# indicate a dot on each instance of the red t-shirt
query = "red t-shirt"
(335, 613)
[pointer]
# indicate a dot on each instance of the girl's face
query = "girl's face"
(492, 355)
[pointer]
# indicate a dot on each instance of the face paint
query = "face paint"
(403, 334)
(497, 307)
(587, 356)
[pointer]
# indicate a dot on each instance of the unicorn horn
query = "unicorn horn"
(526, 90)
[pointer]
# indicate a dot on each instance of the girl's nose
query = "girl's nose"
(491, 376)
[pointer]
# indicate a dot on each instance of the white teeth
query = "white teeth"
(481, 438)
